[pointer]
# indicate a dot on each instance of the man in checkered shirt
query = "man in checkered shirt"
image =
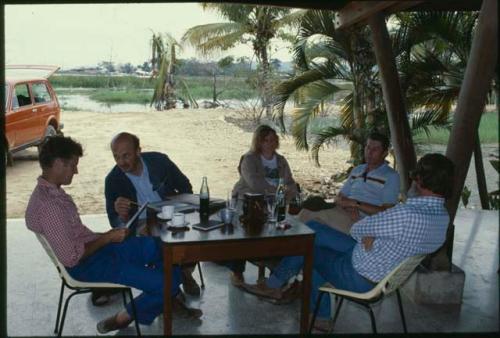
(376, 244)
(95, 257)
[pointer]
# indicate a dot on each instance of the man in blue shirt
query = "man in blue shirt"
(371, 187)
(378, 243)
(141, 177)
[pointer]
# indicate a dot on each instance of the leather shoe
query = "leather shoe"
(189, 285)
(111, 324)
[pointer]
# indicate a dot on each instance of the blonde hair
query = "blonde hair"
(260, 134)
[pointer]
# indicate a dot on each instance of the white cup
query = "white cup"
(178, 219)
(167, 211)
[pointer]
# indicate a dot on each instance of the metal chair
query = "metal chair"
(79, 288)
(386, 286)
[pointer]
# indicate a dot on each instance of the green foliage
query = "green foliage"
(255, 25)
(431, 51)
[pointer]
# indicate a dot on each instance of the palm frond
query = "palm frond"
(286, 88)
(214, 36)
(325, 135)
(317, 92)
(422, 121)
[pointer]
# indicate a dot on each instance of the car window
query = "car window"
(40, 92)
(22, 95)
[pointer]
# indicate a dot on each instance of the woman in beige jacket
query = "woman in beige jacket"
(261, 168)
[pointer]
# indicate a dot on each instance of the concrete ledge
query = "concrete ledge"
(436, 287)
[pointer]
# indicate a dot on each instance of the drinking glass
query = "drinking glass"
(271, 209)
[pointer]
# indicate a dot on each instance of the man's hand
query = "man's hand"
(367, 242)
(122, 208)
(353, 214)
(116, 235)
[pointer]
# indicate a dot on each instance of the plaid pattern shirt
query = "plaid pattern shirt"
(417, 227)
(52, 213)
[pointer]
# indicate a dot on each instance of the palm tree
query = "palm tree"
(164, 64)
(257, 25)
(332, 61)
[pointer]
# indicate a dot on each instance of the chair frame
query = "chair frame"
(391, 283)
(80, 287)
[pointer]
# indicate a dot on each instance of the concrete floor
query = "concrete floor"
(33, 289)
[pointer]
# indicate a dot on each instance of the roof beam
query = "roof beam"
(358, 11)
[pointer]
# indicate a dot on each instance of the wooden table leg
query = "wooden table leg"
(167, 302)
(306, 287)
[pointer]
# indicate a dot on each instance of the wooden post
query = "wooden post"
(471, 101)
(396, 112)
(480, 176)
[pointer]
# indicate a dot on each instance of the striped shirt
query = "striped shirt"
(52, 213)
(417, 227)
(379, 186)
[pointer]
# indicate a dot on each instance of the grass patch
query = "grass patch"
(122, 96)
(100, 81)
(488, 131)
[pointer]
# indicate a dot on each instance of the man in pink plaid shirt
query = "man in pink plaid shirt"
(95, 257)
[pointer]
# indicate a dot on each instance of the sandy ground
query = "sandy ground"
(202, 142)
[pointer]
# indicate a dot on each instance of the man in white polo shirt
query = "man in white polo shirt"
(371, 187)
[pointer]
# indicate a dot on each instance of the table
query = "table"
(233, 242)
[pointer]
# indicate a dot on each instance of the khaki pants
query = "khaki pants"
(336, 218)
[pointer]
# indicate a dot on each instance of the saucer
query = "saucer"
(169, 224)
(160, 216)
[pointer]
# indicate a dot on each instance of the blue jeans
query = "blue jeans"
(332, 263)
(125, 263)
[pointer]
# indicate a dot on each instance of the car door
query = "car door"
(43, 106)
(20, 117)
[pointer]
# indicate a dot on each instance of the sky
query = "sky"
(86, 34)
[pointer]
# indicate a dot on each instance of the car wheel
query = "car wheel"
(49, 131)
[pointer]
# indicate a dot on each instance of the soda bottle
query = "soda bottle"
(204, 201)
(280, 201)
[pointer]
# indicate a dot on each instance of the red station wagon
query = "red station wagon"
(32, 111)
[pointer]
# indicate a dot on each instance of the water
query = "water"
(84, 103)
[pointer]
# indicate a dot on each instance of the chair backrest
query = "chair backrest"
(400, 274)
(61, 269)
(63, 273)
